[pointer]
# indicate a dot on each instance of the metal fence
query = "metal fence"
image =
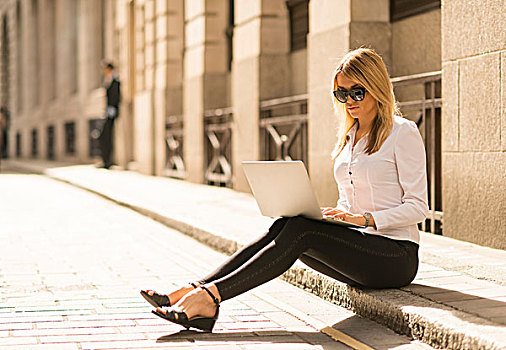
(283, 128)
(175, 166)
(218, 147)
(424, 107)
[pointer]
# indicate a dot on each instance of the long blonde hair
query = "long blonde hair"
(365, 67)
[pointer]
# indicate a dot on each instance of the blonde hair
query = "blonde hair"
(365, 67)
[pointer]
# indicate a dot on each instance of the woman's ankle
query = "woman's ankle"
(214, 291)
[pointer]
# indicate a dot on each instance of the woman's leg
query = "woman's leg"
(367, 260)
(322, 267)
(231, 264)
(342, 253)
(240, 257)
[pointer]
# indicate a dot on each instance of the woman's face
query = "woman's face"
(363, 110)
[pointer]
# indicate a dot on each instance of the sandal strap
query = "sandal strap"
(216, 301)
(194, 285)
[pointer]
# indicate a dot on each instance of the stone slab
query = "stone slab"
(464, 219)
(450, 110)
(472, 29)
(479, 101)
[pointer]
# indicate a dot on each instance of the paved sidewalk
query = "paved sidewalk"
(72, 265)
(457, 300)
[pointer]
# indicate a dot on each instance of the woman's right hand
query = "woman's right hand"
(329, 211)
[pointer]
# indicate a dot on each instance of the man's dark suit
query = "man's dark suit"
(111, 112)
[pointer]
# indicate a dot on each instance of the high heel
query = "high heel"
(205, 324)
(159, 300)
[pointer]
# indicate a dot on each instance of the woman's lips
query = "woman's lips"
(352, 108)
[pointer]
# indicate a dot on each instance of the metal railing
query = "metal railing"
(425, 110)
(283, 128)
(174, 166)
(218, 147)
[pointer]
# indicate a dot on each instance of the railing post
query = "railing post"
(218, 147)
(175, 166)
(428, 107)
(283, 128)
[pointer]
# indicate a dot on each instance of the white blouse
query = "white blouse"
(391, 183)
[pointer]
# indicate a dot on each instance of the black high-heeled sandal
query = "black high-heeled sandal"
(159, 300)
(205, 324)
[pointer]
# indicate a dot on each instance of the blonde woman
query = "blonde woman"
(380, 171)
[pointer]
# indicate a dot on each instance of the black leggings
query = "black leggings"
(344, 254)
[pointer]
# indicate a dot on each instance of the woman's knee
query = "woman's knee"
(294, 229)
(278, 224)
(299, 224)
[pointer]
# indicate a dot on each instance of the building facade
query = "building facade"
(207, 84)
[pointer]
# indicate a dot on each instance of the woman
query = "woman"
(380, 172)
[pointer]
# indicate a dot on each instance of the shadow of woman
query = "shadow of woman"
(485, 302)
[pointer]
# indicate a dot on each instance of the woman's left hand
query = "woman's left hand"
(356, 219)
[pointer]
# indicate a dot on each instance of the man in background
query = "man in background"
(4, 131)
(113, 99)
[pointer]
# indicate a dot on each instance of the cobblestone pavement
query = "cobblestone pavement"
(72, 265)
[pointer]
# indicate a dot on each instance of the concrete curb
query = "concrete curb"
(404, 312)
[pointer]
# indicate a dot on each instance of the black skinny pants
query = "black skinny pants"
(106, 141)
(344, 254)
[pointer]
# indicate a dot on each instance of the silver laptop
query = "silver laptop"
(283, 188)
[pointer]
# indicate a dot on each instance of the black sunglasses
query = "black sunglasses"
(356, 94)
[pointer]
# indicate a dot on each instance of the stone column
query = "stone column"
(259, 72)
(30, 57)
(119, 18)
(205, 67)
(89, 54)
(66, 48)
(474, 121)
(168, 96)
(46, 37)
(143, 121)
(335, 27)
(89, 45)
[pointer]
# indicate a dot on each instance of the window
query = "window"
(70, 139)
(299, 23)
(18, 144)
(50, 142)
(400, 9)
(35, 143)
(94, 127)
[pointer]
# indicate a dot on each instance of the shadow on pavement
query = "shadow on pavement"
(255, 337)
(476, 304)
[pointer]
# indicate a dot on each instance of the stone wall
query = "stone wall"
(474, 143)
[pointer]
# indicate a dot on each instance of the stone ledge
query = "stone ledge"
(404, 312)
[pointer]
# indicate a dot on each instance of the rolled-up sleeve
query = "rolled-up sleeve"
(409, 153)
